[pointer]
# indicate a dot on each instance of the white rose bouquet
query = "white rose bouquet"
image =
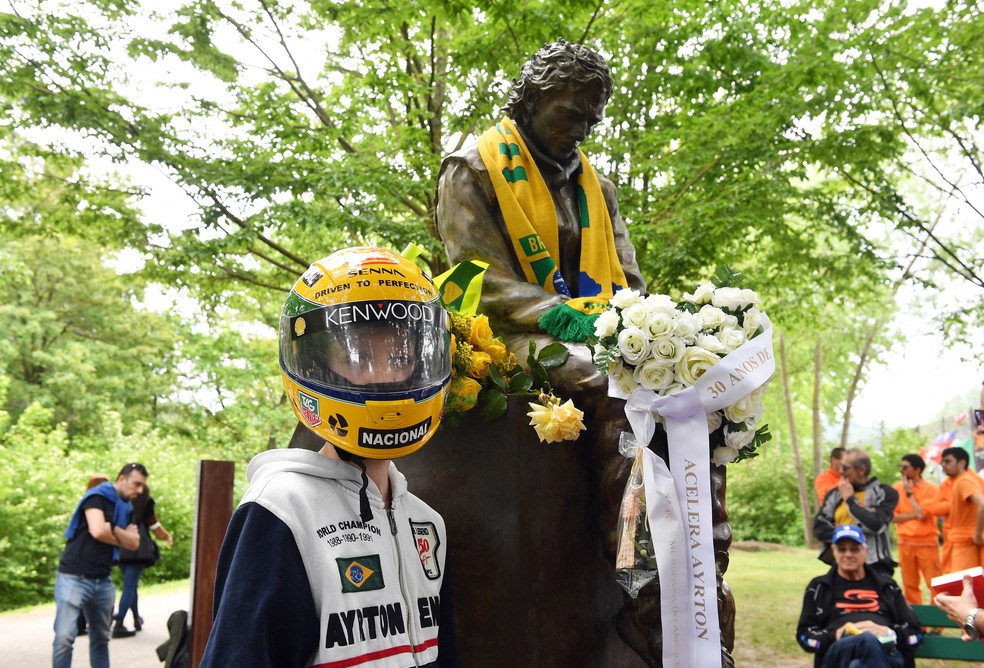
(658, 344)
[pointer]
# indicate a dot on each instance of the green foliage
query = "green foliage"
(763, 502)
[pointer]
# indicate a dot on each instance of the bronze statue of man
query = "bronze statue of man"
(560, 96)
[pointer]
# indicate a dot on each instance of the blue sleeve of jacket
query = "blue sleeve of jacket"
(447, 639)
(263, 610)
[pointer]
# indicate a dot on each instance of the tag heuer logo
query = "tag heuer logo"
(309, 408)
(360, 573)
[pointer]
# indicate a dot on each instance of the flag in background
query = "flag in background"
(960, 418)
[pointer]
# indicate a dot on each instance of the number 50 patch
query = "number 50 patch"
(427, 541)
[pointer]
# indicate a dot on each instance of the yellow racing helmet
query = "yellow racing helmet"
(365, 352)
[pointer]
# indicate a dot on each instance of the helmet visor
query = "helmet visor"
(374, 347)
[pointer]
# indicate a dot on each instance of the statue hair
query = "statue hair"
(555, 67)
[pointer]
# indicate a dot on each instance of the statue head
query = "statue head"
(571, 76)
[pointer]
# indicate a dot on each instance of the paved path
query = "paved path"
(25, 638)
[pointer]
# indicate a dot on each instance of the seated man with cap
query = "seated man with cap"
(854, 613)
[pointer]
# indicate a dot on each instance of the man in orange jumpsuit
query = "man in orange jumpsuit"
(919, 538)
(966, 534)
(830, 478)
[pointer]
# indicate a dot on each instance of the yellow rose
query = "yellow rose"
(497, 351)
(481, 332)
(463, 394)
(556, 422)
(479, 367)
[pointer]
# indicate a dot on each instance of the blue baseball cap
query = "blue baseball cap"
(850, 532)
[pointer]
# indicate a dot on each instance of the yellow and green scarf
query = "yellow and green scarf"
(531, 221)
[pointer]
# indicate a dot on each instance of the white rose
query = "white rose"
(636, 316)
(711, 317)
(667, 349)
(729, 298)
(711, 342)
(694, 362)
(748, 298)
(660, 324)
(714, 421)
(625, 298)
(674, 388)
(755, 319)
(702, 295)
(738, 439)
(607, 323)
(686, 326)
(731, 338)
(653, 375)
(633, 345)
(660, 304)
(748, 407)
(623, 379)
(724, 455)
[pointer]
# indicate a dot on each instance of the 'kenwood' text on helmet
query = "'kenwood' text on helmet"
(365, 352)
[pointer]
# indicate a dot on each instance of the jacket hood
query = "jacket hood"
(298, 460)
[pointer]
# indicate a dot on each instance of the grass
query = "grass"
(768, 585)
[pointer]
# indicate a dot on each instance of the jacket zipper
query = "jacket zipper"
(403, 589)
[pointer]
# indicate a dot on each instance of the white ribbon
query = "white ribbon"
(688, 529)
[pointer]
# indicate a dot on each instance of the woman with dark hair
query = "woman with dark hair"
(133, 562)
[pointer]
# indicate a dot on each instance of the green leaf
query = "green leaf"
(520, 382)
(492, 404)
(496, 377)
(554, 355)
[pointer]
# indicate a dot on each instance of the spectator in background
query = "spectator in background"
(829, 479)
(918, 535)
(98, 528)
(966, 533)
(862, 499)
(133, 562)
(856, 616)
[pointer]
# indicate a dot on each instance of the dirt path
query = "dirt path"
(26, 637)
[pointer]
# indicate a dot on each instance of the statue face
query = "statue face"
(563, 118)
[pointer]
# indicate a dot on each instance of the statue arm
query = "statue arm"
(472, 229)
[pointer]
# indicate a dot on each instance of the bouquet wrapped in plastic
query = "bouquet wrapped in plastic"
(635, 561)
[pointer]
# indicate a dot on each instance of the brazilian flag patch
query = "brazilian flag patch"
(360, 573)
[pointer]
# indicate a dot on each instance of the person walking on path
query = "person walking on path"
(94, 480)
(918, 535)
(98, 528)
(133, 562)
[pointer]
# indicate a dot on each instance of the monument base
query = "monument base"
(531, 585)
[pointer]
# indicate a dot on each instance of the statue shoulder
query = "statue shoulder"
(468, 157)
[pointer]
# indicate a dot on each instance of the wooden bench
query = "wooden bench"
(944, 647)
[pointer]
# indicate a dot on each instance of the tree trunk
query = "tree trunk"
(817, 388)
(804, 495)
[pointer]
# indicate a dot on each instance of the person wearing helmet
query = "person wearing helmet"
(329, 560)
